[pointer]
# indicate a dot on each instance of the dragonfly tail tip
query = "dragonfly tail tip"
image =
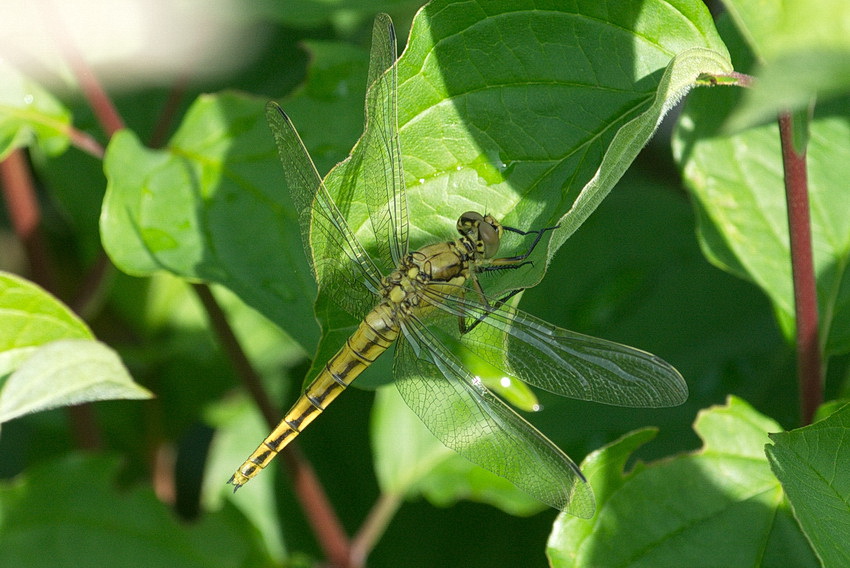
(236, 485)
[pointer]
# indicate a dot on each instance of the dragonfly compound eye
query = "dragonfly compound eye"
(490, 233)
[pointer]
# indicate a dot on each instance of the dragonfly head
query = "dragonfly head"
(483, 230)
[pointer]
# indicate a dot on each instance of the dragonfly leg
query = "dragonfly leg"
(466, 328)
(507, 263)
(517, 261)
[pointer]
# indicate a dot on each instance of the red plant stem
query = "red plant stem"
(318, 509)
(25, 215)
(809, 372)
(83, 141)
(314, 501)
(100, 102)
(244, 370)
(169, 112)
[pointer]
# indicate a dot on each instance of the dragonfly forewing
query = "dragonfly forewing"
(465, 416)
(374, 170)
(340, 263)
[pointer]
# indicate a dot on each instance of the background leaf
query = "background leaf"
(83, 519)
(65, 373)
(48, 356)
(29, 115)
(424, 466)
(737, 184)
(720, 503)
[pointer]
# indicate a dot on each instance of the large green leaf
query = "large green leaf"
(721, 503)
(69, 514)
(738, 188)
(809, 464)
(520, 111)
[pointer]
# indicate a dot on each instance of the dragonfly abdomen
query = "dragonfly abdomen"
(373, 336)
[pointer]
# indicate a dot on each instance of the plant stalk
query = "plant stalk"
(809, 367)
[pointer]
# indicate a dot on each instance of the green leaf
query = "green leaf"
(64, 373)
(213, 205)
(809, 463)
(721, 503)
(804, 53)
(49, 355)
(737, 184)
(422, 466)
(30, 115)
(32, 317)
(68, 513)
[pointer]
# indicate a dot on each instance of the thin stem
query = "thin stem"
(244, 370)
(100, 102)
(320, 513)
(169, 112)
(809, 369)
(317, 507)
(25, 215)
(85, 142)
(374, 526)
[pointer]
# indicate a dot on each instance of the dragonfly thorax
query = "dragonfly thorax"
(446, 263)
(449, 264)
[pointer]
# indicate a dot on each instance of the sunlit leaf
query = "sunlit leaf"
(49, 355)
(64, 373)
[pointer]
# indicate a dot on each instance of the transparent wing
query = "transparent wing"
(375, 168)
(475, 423)
(562, 362)
(340, 264)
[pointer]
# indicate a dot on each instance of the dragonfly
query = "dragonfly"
(429, 300)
